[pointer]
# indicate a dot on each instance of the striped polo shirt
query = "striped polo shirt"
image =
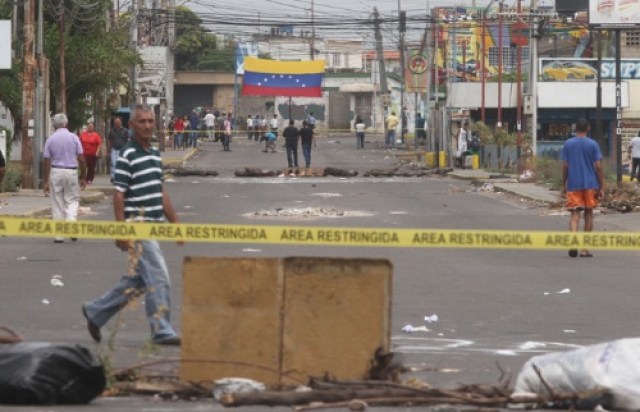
(139, 176)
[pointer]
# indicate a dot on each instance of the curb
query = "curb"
(186, 157)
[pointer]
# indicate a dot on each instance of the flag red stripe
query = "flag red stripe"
(251, 90)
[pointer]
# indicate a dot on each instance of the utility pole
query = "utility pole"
(28, 94)
(171, 44)
(599, 135)
(499, 124)
(533, 78)
(40, 111)
(618, 108)
(133, 98)
(403, 29)
(313, 32)
(519, 95)
(63, 76)
(384, 90)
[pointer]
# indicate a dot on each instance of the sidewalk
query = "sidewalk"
(509, 184)
(33, 202)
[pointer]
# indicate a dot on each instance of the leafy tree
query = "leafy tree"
(503, 139)
(197, 49)
(97, 61)
(483, 132)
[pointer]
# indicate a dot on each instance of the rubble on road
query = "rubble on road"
(176, 170)
(307, 212)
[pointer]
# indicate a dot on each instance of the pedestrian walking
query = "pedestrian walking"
(291, 135)
(274, 125)
(194, 124)
(306, 140)
(263, 127)
(462, 151)
(392, 122)
(421, 131)
(91, 142)
(249, 127)
(141, 197)
(118, 137)
(311, 121)
(210, 123)
(360, 126)
(634, 154)
(226, 135)
(63, 157)
(179, 133)
(582, 179)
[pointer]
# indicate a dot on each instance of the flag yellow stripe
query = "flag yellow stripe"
(253, 64)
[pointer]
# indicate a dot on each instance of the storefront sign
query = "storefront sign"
(586, 69)
(613, 14)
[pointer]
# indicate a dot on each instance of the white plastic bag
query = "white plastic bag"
(614, 366)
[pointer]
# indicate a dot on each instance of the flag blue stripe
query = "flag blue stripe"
(283, 80)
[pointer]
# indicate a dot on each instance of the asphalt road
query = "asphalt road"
(493, 306)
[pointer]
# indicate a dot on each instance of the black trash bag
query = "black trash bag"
(38, 373)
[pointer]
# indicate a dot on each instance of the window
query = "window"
(335, 59)
(509, 57)
(632, 38)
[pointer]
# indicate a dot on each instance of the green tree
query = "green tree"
(97, 60)
(483, 132)
(197, 49)
(502, 139)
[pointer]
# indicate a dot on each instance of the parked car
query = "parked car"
(568, 70)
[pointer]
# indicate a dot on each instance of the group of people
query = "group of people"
(139, 196)
(292, 136)
(184, 131)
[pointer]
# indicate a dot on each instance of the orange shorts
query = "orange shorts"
(582, 199)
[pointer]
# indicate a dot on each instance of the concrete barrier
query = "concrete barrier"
(280, 321)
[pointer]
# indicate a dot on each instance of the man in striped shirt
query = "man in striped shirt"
(139, 196)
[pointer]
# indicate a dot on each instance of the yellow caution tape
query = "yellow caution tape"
(325, 236)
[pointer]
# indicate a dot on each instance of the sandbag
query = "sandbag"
(613, 366)
(38, 373)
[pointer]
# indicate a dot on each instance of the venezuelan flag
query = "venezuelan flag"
(264, 77)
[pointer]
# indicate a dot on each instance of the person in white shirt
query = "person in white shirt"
(274, 125)
(634, 153)
(210, 123)
(462, 143)
(360, 127)
(249, 127)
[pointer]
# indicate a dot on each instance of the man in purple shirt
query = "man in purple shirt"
(62, 158)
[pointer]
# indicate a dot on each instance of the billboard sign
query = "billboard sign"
(612, 14)
(587, 69)
(5, 44)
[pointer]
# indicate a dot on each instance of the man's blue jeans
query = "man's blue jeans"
(152, 277)
(114, 158)
(391, 138)
(306, 152)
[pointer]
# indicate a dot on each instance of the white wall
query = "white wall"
(550, 95)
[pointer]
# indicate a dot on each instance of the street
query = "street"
(492, 305)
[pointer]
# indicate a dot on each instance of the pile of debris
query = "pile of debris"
(300, 212)
(623, 199)
(177, 170)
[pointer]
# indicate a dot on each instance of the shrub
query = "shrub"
(12, 179)
(549, 171)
